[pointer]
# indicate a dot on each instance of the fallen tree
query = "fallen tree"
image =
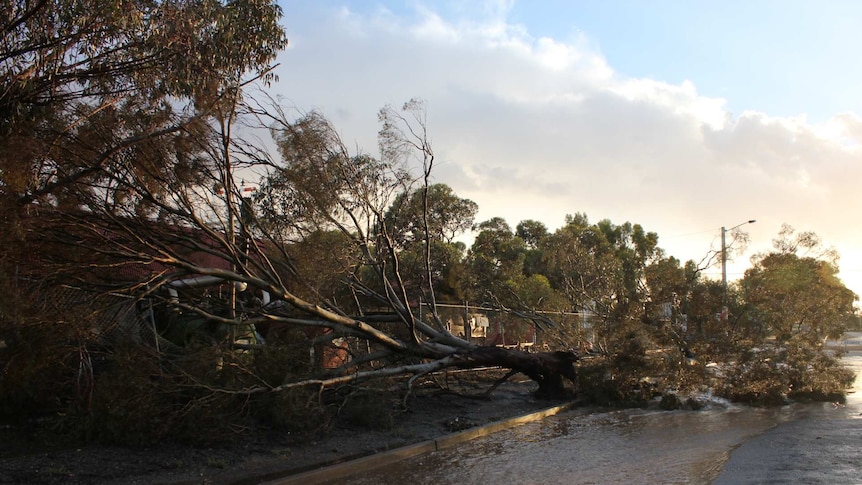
(227, 268)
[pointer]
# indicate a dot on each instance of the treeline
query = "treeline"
(639, 303)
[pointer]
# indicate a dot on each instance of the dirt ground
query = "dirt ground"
(266, 456)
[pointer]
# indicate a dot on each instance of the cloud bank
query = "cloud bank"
(537, 128)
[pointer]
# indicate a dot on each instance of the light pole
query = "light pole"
(724, 264)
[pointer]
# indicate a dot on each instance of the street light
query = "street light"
(724, 263)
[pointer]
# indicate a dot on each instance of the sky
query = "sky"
(682, 116)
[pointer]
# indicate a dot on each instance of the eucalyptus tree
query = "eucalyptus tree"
(793, 293)
(94, 88)
(533, 233)
(319, 188)
(581, 263)
(496, 259)
(319, 209)
(424, 223)
(446, 215)
(688, 295)
(616, 277)
(374, 203)
(506, 267)
(793, 301)
(107, 117)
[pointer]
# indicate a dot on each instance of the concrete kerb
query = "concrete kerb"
(367, 463)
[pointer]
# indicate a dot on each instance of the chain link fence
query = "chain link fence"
(533, 331)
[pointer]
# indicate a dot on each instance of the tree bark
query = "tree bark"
(550, 370)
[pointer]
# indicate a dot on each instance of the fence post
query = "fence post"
(468, 329)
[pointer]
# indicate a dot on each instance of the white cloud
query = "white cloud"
(538, 128)
(682, 99)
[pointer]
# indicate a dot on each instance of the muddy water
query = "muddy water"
(635, 446)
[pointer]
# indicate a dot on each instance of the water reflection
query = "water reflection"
(627, 446)
(619, 446)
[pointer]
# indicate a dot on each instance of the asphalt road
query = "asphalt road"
(817, 450)
(822, 446)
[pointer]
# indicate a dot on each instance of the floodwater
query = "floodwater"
(722, 444)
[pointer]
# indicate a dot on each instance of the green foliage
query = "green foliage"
(638, 362)
(52, 344)
(141, 398)
(286, 359)
(815, 375)
(117, 45)
(133, 395)
(318, 265)
(106, 104)
(666, 281)
(854, 322)
(103, 79)
(532, 232)
(756, 379)
(496, 256)
(535, 291)
(448, 270)
(438, 207)
(137, 97)
(605, 381)
(791, 304)
(793, 298)
(321, 186)
(582, 265)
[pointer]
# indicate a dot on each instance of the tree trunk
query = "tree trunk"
(550, 370)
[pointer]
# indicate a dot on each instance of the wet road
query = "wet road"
(822, 446)
(724, 444)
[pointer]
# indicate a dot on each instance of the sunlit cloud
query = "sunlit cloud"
(535, 127)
